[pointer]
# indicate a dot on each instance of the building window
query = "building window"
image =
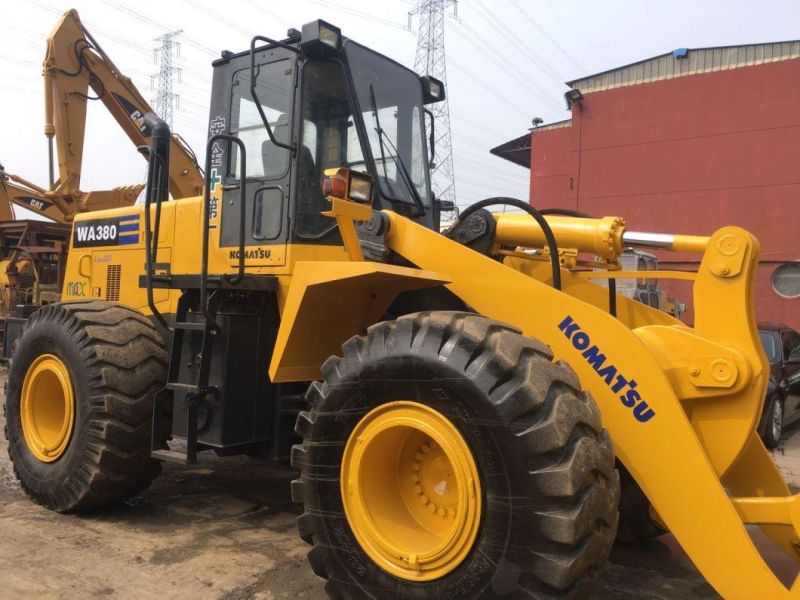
(786, 280)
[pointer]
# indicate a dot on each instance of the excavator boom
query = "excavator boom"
(74, 63)
(16, 191)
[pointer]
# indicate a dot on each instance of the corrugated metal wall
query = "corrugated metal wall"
(702, 60)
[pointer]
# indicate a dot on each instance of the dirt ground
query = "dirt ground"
(225, 528)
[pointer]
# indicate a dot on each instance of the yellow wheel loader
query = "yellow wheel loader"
(461, 410)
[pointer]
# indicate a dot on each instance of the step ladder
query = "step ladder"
(196, 310)
(177, 386)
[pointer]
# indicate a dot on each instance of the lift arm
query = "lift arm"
(74, 63)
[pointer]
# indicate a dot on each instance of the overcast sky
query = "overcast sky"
(507, 61)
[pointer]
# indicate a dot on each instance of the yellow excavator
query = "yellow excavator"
(32, 252)
(468, 420)
(74, 64)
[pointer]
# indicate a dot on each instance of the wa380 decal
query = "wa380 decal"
(114, 231)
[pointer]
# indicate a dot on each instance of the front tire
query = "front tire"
(79, 404)
(548, 487)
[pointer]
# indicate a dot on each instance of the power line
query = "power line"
(189, 39)
(543, 32)
(19, 61)
(487, 89)
(217, 16)
(524, 48)
(472, 37)
(475, 124)
(358, 13)
(18, 90)
(137, 15)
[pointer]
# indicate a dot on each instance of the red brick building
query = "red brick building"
(686, 142)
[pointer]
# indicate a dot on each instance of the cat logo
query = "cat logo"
(34, 203)
(136, 115)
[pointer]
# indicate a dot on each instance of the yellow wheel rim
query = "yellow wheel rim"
(411, 491)
(47, 408)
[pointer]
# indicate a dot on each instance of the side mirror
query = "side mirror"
(446, 205)
(442, 206)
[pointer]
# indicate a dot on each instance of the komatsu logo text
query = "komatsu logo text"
(255, 253)
(616, 381)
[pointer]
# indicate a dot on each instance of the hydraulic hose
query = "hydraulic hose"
(612, 283)
(538, 217)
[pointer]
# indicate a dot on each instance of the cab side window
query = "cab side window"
(274, 84)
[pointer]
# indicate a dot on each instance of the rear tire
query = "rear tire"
(546, 465)
(116, 362)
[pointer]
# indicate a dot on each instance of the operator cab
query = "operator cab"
(325, 102)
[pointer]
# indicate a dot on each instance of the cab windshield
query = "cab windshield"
(390, 101)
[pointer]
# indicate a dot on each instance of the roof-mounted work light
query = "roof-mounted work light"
(320, 37)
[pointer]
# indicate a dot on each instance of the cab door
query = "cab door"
(266, 168)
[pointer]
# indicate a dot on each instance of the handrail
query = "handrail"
(206, 219)
(157, 190)
(253, 93)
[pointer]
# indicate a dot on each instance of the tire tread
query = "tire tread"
(571, 485)
(126, 363)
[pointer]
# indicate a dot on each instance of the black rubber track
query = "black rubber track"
(547, 469)
(117, 362)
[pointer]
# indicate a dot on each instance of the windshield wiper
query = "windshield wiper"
(379, 129)
(401, 167)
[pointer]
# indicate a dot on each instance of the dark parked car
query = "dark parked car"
(782, 407)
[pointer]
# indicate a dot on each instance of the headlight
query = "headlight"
(360, 187)
(348, 185)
